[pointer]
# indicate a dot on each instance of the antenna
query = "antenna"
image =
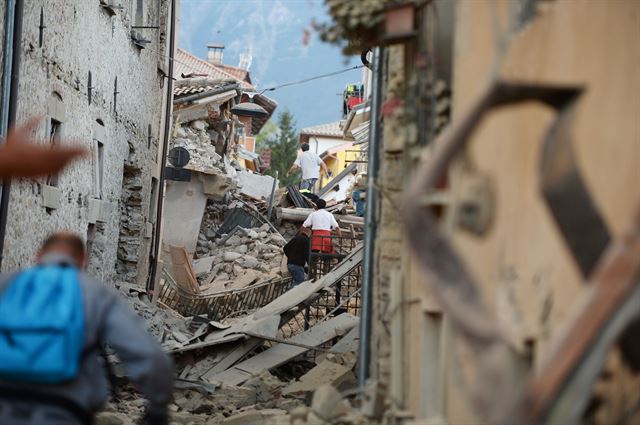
(246, 58)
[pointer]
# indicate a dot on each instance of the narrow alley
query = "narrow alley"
(290, 212)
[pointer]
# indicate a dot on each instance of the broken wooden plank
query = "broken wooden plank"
(182, 271)
(282, 353)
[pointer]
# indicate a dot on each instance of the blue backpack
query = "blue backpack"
(41, 326)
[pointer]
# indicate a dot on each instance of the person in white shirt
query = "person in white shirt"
(322, 223)
(310, 164)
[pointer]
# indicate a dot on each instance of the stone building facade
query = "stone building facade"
(100, 83)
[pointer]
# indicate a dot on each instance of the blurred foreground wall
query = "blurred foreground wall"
(528, 278)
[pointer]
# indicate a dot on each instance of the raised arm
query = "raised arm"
(23, 156)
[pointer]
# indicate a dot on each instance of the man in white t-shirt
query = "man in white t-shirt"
(310, 164)
(322, 223)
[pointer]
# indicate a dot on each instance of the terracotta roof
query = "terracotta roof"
(199, 85)
(186, 63)
(331, 129)
(215, 77)
(239, 73)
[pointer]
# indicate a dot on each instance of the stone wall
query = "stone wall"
(80, 38)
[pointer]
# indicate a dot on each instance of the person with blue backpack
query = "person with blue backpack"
(54, 323)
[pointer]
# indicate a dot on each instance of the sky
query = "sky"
(274, 31)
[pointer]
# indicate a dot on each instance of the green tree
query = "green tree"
(263, 139)
(284, 144)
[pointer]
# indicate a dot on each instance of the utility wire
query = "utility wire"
(306, 80)
(291, 83)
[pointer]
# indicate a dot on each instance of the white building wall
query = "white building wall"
(319, 144)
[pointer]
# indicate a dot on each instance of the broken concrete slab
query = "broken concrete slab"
(254, 417)
(215, 186)
(349, 343)
(256, 326)
(255, 185)
(246, 279)
(325, 373)
(328, 404)
(281, 353)
(202, 265)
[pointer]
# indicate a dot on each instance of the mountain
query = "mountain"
(284, 48)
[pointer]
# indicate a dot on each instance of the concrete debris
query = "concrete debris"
(202, 152)
(328, 404)
(255, 185)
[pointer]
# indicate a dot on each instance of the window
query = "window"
(153, 200)
(98, 160)
(137, 12)
(432, 374)
(54, 132)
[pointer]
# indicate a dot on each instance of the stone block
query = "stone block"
(328, 404)
(199, 125)
(256, 417)
(250, 262)
(231, 256)
(51, 196)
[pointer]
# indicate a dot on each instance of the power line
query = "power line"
(291, 83)
(306, 80)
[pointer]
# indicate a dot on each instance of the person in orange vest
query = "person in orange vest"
(322, 223)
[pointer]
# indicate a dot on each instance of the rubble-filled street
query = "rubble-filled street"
(319, 212)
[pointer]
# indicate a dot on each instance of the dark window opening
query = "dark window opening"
(55, 129)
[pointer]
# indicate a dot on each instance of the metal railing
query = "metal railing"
(343, 296)
(219, 305)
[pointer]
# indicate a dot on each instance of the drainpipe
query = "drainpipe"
(165, 144)
(9, 101)
(364, 361)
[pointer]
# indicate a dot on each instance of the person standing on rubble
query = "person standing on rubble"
(322, 223)
(54, 323)
(359, 193)
(310, 164)
(297, 252)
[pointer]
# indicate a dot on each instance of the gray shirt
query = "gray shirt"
(109, 320)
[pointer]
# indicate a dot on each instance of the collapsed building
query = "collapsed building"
(248, 345)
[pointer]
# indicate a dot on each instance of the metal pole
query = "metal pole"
(273, 195)
(10, 80)
(368, 271)
(167, 129)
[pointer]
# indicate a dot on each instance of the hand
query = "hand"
(21, 156)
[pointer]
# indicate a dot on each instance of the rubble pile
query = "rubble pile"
(246, 370)
(236, 259)
(195, 138)
(258, 402)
